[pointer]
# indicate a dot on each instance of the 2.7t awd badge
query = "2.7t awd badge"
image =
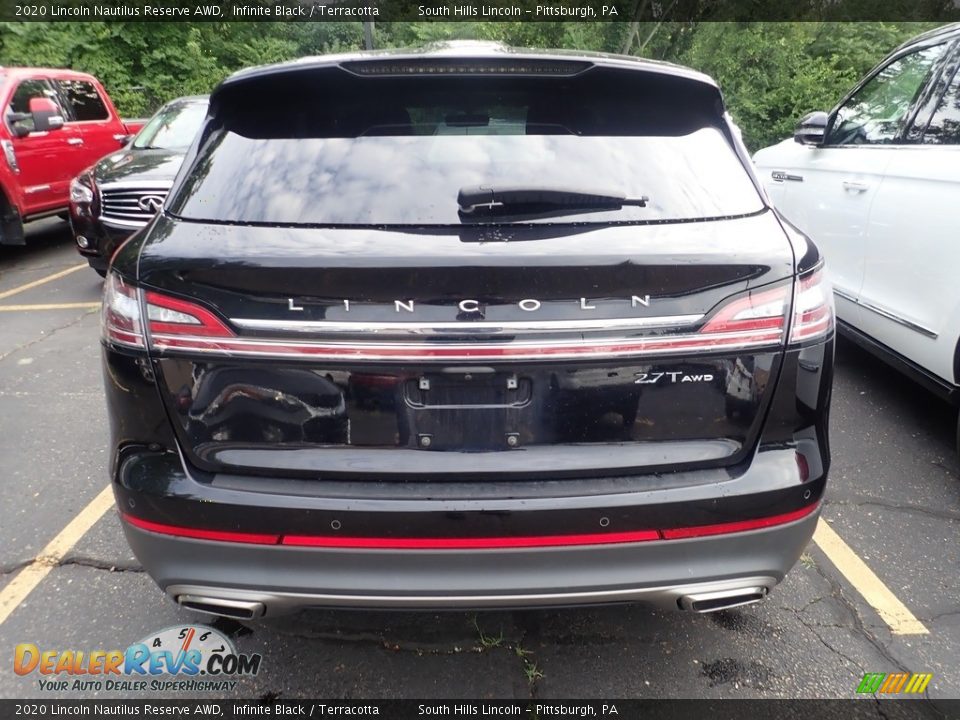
(670, 376)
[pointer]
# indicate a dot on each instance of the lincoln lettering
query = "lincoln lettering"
(470, 305)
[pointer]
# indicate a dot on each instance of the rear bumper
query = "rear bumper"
(256, 553)
(696, 574)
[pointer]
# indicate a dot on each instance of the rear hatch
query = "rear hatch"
(324, 303)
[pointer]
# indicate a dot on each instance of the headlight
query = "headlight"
(81, 190)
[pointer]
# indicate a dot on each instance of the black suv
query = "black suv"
(467, 327)
(123, 191)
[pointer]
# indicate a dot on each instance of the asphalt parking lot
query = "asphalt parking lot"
(878, 591)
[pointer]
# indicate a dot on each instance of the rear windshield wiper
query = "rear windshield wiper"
(483, 199)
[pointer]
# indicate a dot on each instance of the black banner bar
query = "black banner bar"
(477, 10)
(866, 707)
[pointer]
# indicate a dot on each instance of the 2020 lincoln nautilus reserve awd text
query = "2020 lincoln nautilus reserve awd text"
(467, 327)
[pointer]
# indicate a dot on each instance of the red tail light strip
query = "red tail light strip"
(200, 534)
(738, 526)
(124, 337)
(754, 320)
(461, 543)
(451, 351)
(470, 543)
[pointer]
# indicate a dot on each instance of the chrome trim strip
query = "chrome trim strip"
(280, 602)
(473, 352)
(463, 328)
(159, 185)
(883, 312)
(125, 224)
(844, 294)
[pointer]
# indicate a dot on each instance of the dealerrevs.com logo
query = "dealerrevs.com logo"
(177, 659)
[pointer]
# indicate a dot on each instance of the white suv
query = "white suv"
(876, 184)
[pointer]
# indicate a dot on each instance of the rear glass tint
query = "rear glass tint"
(336, 149)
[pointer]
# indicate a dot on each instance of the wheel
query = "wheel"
(101, 272)
(958, 434)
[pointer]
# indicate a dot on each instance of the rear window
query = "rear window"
(336, 149)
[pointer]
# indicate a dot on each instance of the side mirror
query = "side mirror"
(812, 129)
(45, 114)
(20, 127)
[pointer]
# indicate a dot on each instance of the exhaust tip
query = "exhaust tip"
(239, 609)
(722, 599)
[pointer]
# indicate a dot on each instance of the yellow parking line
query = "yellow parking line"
(50, 306)
(56, 276)
(893, 612)
(29, 577)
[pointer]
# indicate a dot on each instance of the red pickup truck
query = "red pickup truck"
(54, 124)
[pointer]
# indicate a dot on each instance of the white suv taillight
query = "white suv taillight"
(813, 314)
(171, 321)
(120, 321)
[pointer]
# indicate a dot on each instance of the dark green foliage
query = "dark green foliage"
(771, 73)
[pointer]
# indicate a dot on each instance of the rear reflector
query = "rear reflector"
(201, 534)
(738, 526)
(472, 543)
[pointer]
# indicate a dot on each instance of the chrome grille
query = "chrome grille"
(131, 206)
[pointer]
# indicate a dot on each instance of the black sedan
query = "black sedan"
(123, 191)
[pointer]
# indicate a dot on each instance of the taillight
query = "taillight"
(120, 321)
(761, 316)
(172, 316)
(168, 319)
(813, 314)
(756, 317)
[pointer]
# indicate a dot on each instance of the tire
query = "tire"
(958, 435)
(101, 272)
